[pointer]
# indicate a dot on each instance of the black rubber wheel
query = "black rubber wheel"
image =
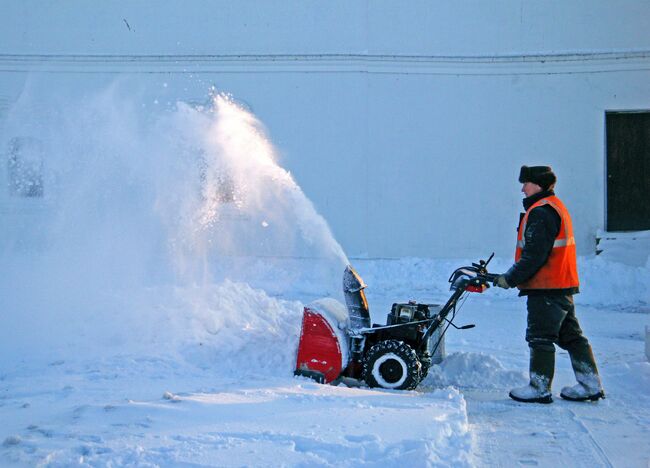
(392, 364)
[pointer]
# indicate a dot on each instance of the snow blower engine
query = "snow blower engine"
(339, 341)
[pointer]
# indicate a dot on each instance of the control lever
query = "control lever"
(464, 327)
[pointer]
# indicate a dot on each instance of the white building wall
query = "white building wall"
(405, 124)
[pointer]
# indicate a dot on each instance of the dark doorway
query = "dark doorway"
(628, 171)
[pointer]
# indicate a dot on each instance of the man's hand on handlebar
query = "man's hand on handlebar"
(501, 282)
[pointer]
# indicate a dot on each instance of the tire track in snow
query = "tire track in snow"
(596, 446)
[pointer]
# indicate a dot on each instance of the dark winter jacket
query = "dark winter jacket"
(542, 228)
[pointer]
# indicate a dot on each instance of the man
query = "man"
(545, 271)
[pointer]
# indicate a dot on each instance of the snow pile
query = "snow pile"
(473, 370)
(630, 248)
(239, 332)
(391, 276)
(608, 283)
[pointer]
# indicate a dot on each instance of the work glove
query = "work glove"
(501, 282)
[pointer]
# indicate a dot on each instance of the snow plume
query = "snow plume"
(178, 202)
(242, 215)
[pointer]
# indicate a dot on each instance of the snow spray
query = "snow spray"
(148, 220)
(243, 215)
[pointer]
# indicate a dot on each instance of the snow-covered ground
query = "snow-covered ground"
(226, 396)
(150, 309)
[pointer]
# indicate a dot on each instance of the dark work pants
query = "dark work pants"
(551, 321)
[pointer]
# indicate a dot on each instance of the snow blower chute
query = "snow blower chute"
(339, 340)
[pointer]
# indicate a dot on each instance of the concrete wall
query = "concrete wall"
(442, 28)
(405, 124)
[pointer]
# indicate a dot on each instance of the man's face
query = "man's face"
(530, 189)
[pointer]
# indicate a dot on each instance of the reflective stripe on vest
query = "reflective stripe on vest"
(560, 270)
(557, 243)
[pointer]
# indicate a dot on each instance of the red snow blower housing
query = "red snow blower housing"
(339, 341)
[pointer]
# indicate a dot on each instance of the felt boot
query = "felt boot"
(589, 386)
(538, 390)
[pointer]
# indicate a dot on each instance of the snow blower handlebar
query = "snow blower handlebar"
(474, 278)
(482, 270)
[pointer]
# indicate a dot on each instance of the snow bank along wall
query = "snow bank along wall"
(404, 124)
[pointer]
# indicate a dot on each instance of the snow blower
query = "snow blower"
(338, 341)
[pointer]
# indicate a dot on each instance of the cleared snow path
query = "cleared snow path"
(611, 432)
(508, 434)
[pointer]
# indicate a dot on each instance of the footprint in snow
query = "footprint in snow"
(11, 441)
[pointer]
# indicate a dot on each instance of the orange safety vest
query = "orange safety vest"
(560, 270)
